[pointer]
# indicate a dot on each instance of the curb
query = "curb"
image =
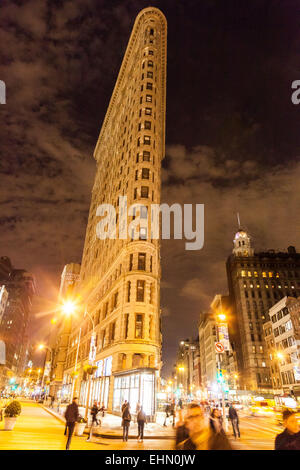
(104, 435)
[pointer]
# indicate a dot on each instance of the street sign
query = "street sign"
(219, 347)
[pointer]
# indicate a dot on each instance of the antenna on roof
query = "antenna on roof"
(238, 219)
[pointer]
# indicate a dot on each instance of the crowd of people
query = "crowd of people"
(197, 428)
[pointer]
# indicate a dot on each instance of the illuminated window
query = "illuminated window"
(270, 274)
(264, 274)
(140, 291)
(255, 274)
(139, 326)
(249, 274)
(243, 273)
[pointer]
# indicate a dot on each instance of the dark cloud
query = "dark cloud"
(232, 134)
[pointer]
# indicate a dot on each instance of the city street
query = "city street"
(36, 429)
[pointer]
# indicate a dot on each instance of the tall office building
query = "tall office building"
(20, 288)
(59, 336)
(256, 282)
(120, 277)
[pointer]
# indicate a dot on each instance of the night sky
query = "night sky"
(232, 136)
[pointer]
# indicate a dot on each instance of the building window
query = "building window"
(147, 140)
(135, 193)
(149, 98)
(143, 233)
(149, 74)
(112, 331)
(116, 300)
(146, 156)
(142, 261)
(140, 291)
(126, 325)
(150, 63)
(149, 86)
(147, 125)
(130, 262)
(139, 326)
(145, 173)
(148, 111)
(144, 191)
(105, 310)
(128, 291)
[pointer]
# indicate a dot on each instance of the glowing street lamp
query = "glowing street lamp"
(68, 307)
(222, 317)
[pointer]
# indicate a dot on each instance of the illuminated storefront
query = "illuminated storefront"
(136, 386)
(100, 384)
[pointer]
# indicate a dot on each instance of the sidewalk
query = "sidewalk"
(111, 426)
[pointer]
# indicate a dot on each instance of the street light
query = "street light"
(68, 307)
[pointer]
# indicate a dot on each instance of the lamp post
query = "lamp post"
(41, 347)
(91, 361)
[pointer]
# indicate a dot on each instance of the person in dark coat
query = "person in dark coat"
(167, 411)
(289, 439)
(124, 406)
(173, 412)
(201, 437)
(141, 420)
(94, 411)
(234, 418)
(71, 415)
(126, 418)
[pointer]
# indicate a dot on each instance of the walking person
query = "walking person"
(124, 405)
(234, 418)
(102, 410)
(173, 412)
(216, 421)
(167, 410)
(141, 420)
(182, 432)
(126, 418)
(71, 416)
(289, 439)
(201, 437)
(94, 412)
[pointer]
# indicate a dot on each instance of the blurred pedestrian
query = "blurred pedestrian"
(201, 437)
(216, 421)
(94, 412)
(173, 412)
(289, 439)
(102, 410)
(182, 432)
(71, 415)
(124, 406)
(141, 420)
(167, 411)
(180, 405)
(234, 418)
(126, 418)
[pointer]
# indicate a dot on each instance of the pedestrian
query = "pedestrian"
(94, 412)
(52, 401)
(201, 437)
(180, 403)
(141, 420)
(234, 418)
(102, 410)
(126, 418)
(289, 439)
(216, 421)
(173, 412)
(71, 416)
(182, 432)
(167, 410)
(124, 406)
